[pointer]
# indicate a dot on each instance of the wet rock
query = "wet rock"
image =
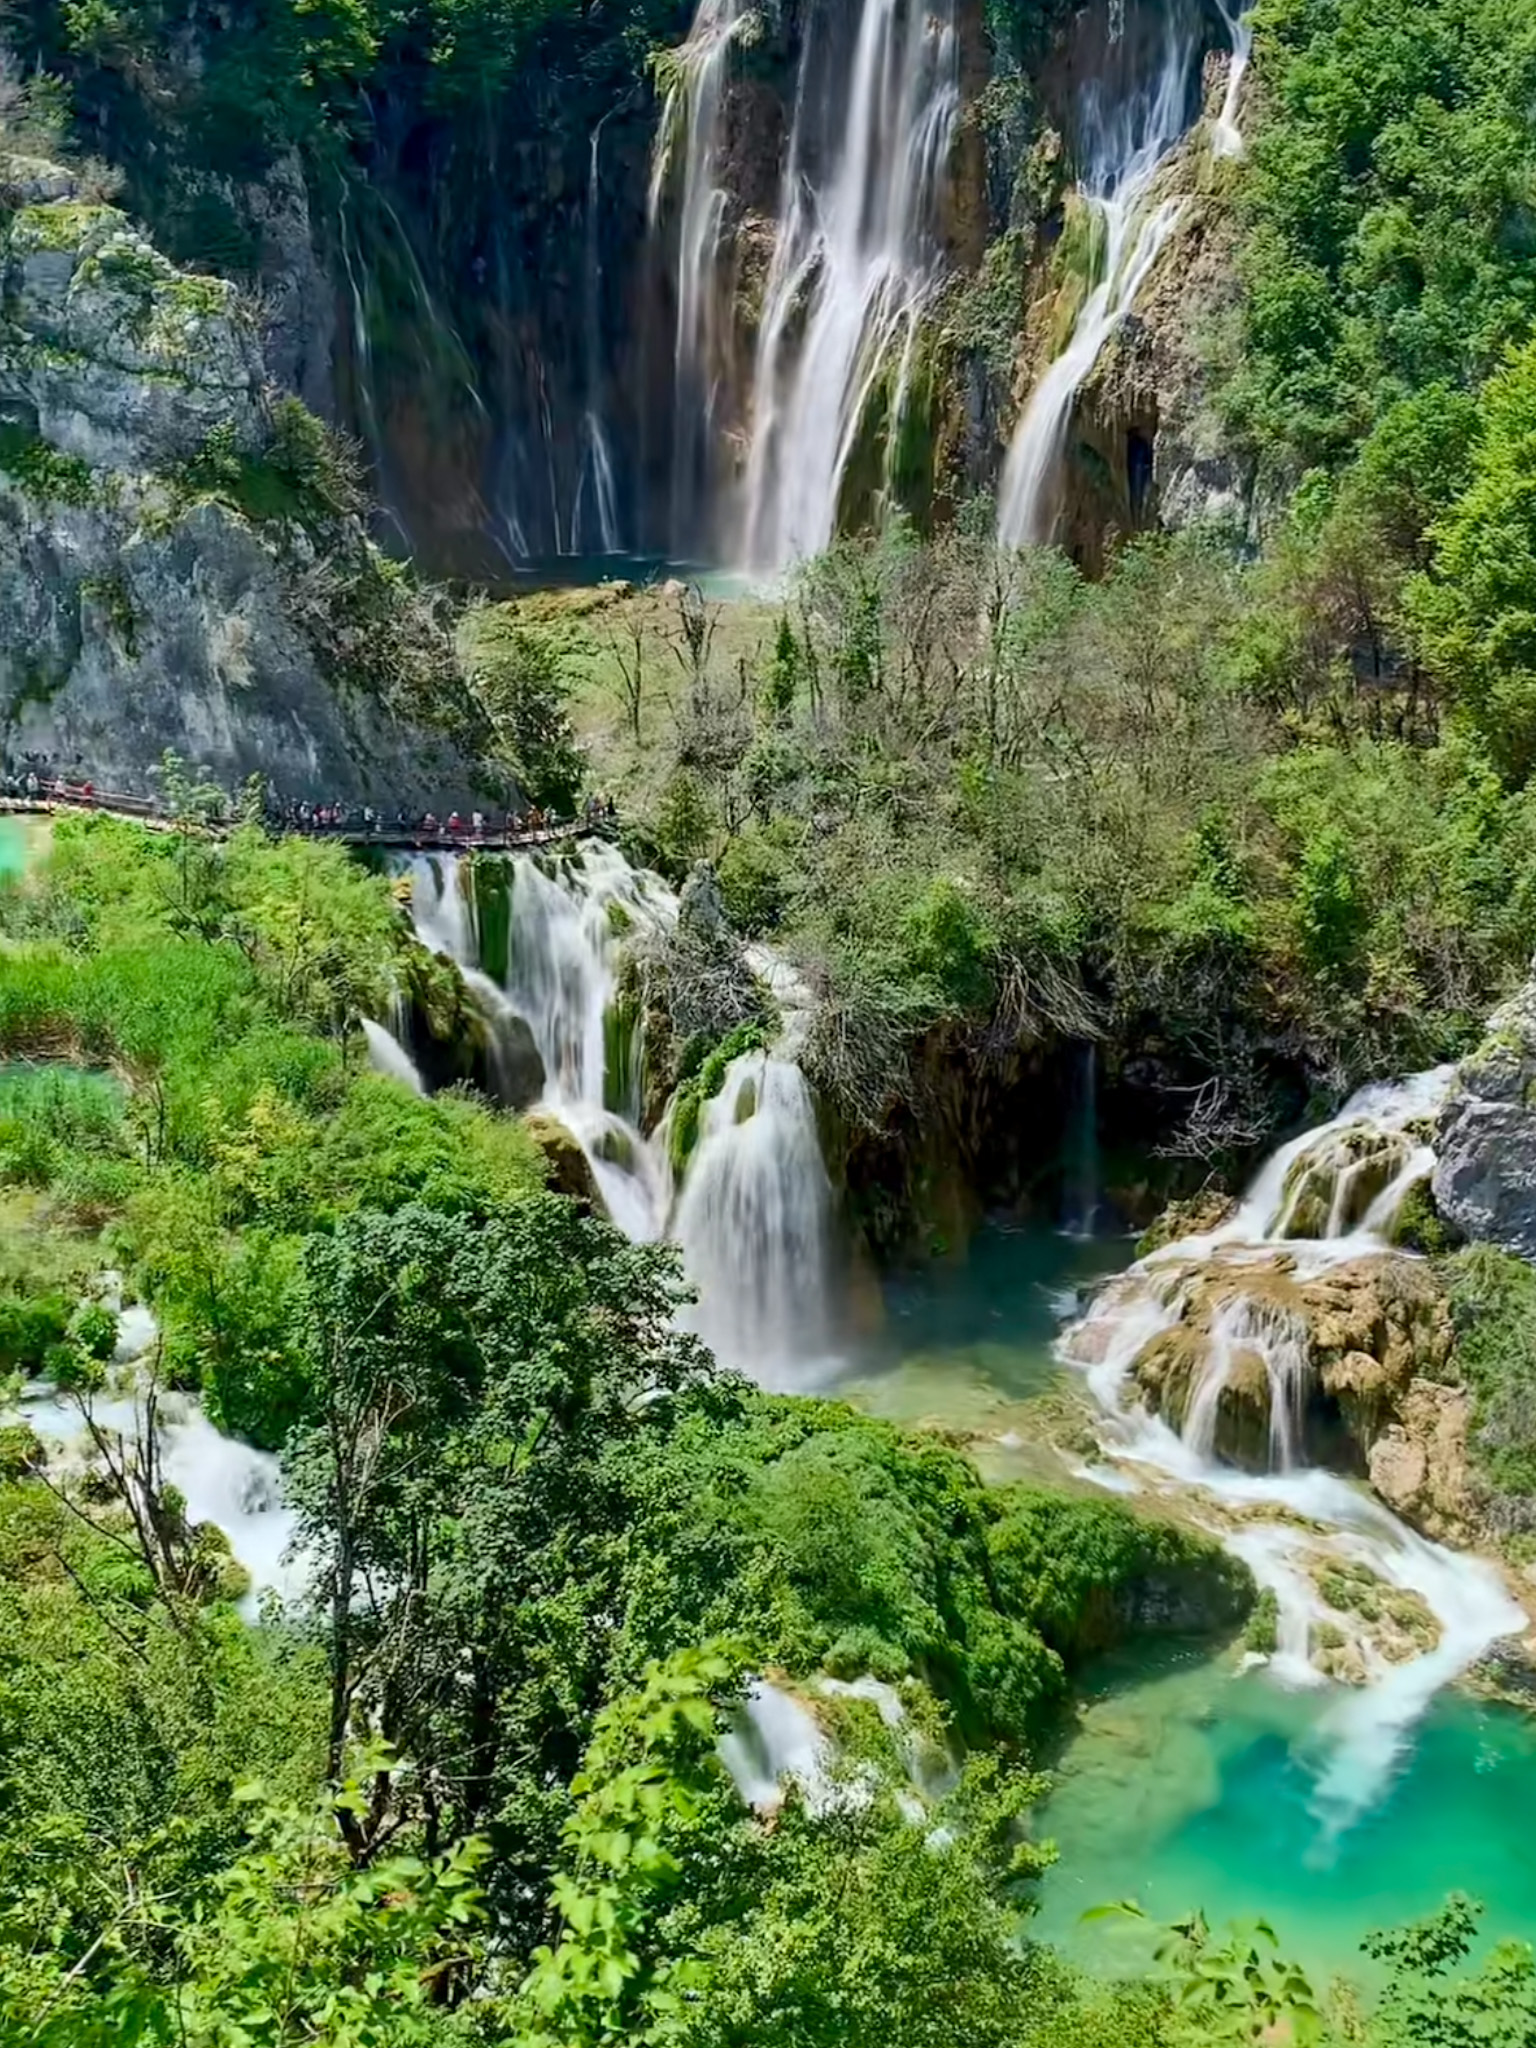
(1368, 1330)
(1419, 1463)
(570, 1170)
(1485, 1176)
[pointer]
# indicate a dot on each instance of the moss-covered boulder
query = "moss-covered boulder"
(570, 1170)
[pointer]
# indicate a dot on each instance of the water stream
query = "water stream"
(1128, 128)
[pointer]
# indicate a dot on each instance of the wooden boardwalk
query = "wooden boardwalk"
(388, 837)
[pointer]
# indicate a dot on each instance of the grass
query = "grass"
(609, 627)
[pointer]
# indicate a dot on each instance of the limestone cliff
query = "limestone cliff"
(183, 564)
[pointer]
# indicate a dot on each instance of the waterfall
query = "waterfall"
(856, 254)
(1276, 1521)
(692, 133)
(1226, 136)
(755, 1225)
(1124, 141)
(221, 1480)
(389, 1056)
(594, 513)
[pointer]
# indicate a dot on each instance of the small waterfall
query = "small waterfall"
(221, 1480)
(595, 511)
(1124, 142)
(856, 255)
(1278, 1520)
(388, 1056)
(1226, 136)
(1082, 1206)
(755, 1225)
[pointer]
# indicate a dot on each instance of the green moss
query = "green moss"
(1419, 1226)
(60, 224)
(702, 1085)
(1262, 1635)
(43, 471)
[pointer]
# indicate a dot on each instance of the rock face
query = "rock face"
(168, 579)
(1346, 1346)
(1485, 1178)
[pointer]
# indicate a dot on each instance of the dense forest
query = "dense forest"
(427, 1616)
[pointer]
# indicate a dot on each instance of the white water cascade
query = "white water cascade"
(856, 255)
(388, 1056)
(754, 1221)
(1281, 1521)
(692, 135)
(1124, 141)
(857, 251)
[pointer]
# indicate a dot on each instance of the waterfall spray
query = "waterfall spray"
(1124, 144)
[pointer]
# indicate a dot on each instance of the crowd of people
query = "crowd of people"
(27, 785)
(478, 827)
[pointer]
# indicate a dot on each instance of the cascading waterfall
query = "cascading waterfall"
(1124, 141)
(388, 1056)
(1276, 1520)
(754, 1215)
(754, 1221)
(856, 255)
(857, 252)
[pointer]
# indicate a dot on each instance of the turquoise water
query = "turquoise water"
(1188, 1786)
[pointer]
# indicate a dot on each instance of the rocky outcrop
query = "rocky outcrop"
(1348, 1345)
(1485, 1175)
(182, 566)
(570, 1170)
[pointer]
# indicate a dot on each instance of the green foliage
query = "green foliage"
(1389, 222)
(523, 676)
(305, 472)
(1475, 614)
(1493, 1307)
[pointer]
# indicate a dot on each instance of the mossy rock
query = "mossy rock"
(568, 1168)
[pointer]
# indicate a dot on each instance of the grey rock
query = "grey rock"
(517, 1070)
(298, 327)
(137, 616)
(701, 907)
(1485, 1175)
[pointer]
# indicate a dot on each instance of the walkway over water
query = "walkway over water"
(389, 836)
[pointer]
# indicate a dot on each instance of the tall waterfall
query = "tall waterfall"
(691, 138)
(1277, 1521)
(856, 253)
(1125, 137)
(595, 512)
(755, 1225)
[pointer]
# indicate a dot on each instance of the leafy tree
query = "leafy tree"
(523, 677)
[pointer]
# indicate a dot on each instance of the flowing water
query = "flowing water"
(1128, 128)
(1227, 137)
(1285, 1519)
(595, 512)
(754, 1221)
(754, 1216)
(856, 254)
(388, 1056)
